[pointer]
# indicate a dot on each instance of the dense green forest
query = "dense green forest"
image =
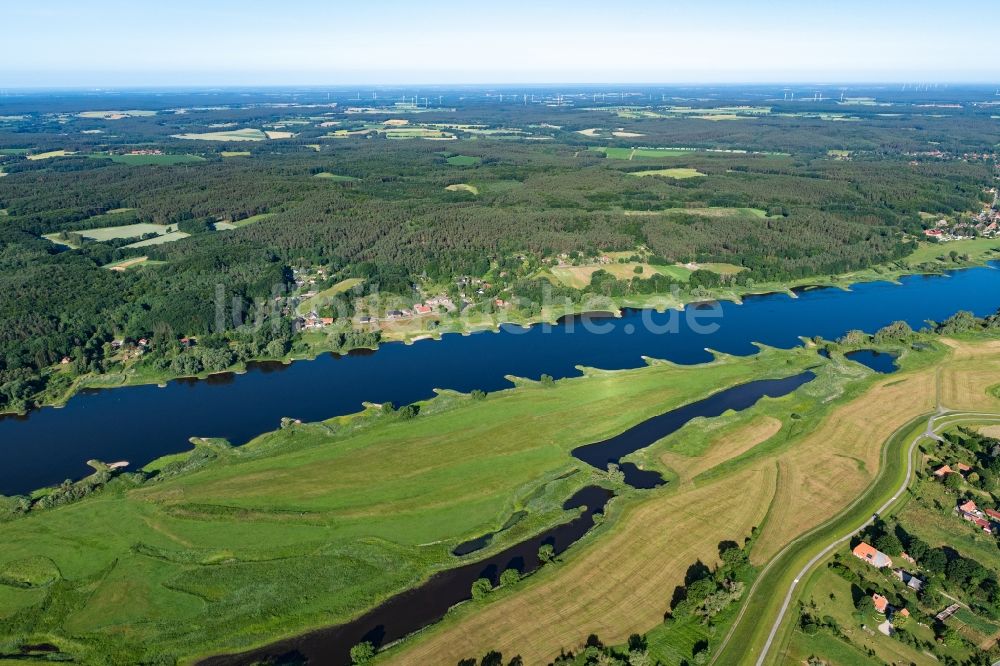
(541, 190)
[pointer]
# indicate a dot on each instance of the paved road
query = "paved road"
(927, 434)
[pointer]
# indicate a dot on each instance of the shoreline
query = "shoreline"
(843, 282)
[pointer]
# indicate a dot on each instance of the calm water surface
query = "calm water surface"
(139, 424)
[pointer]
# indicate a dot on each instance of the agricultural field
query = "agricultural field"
(676, 173)
(49, 154)
(246, 134)
(127, 231)
(337, 178)
(116, 115)
(463, 160)
(246, 221)
(126, 264)
(579, 277)
(168, 237)
(463, 187)
(710, 459)
(319, 299)
(143, 160)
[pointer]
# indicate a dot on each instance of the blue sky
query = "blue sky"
(225, 42)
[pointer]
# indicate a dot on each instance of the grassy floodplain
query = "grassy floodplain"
(313, 523)
(838, 441)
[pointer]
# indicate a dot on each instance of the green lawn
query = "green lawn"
(464, 160)
(311, 524)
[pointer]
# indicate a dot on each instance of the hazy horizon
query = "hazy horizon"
(228, 44)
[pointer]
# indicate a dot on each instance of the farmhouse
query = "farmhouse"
(943, 471)
(881, 603)
(933, 233)
(872, 556)
(995, 515)
(423, 309)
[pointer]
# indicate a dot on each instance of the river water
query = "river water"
(141, 423)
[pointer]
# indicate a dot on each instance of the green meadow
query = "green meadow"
(464, 160)
(312, 524)
(678, 173)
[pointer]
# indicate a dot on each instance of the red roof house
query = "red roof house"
(995, 515)
(881, 603)
(872, 556)
(943, 471)
(968, 507)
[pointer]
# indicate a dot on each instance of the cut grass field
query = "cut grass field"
(811, 430)
(235, 153)
(464, 160)
(319, 299)
(703, 211)
(337, 178)
(126, 264)
(640, 153)
(125, 231)
(49, 154)
(246, 134)
(463, 187)
(160, 240)
(579, 277)
(247, 221)
(311, 524)
(679, 173)
(144, 160)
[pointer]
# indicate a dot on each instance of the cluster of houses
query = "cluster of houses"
(876, 558)
(129, 350)
(986, 519)
(313, 322)
(986, 227)
(429, 306)
(146, 151)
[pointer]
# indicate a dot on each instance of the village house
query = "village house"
(970, 512)
(909, 579)
(423, 309)
(872, 556)
(66, 360)
(881, 603)
(943, 471)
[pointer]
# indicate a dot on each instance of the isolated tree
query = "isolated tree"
(546, 553)
(509, 577)
(362, 653)
(481, 588)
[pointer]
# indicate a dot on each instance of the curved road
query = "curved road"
(929, 434)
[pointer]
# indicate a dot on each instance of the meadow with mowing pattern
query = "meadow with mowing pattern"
(313, 523)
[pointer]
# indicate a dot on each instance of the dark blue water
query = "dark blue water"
(877, 361)
(641, 435)
(140, 424)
